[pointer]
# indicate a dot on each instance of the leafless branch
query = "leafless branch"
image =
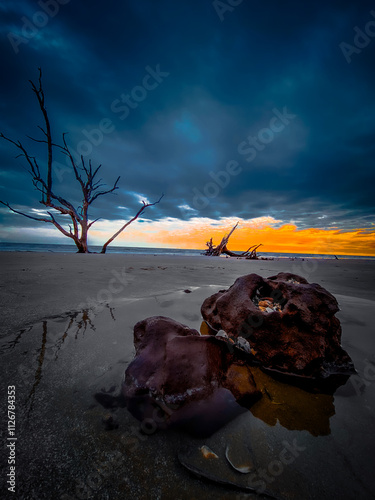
(140, 211)
(25, 215)
(101, 193)
(93, 222)
(40, 96)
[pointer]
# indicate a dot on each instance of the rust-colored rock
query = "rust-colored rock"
(175, 367)
(290, 324)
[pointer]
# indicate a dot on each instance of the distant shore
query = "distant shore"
(124, 250)
(36, 285)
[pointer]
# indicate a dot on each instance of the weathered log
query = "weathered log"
(253, 254)
(223, 249)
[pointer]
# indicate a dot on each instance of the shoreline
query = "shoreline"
(187, 252)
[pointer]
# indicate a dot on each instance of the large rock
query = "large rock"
(289, 323)
(178, 375)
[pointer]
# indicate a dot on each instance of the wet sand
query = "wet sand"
(66, 336)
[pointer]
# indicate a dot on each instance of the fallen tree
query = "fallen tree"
(251, 252)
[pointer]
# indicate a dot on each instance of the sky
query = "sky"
(257, 112)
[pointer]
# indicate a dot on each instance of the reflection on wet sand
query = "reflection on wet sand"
(291, 406)
(296, 403)
(38, 373)
(50, 346)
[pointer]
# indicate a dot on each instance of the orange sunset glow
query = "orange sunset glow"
(273, 234)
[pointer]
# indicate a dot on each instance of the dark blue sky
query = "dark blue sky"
(278, 95)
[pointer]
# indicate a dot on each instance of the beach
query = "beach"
(37, 285)
(66, 336)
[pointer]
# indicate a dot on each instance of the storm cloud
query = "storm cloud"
(231, 108)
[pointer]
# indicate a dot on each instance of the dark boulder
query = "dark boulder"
(177, 372)
(290, 324)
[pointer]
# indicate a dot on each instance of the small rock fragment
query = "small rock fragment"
(243, 344)
(245, 467)
(207, 452)
(222, 334)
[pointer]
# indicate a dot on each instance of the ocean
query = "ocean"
(49, 247)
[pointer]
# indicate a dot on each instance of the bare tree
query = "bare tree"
(251, 253)
(85, 175)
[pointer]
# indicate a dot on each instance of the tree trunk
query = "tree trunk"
(82, 247)
(82, 242)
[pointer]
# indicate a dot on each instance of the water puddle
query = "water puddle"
(75, 439)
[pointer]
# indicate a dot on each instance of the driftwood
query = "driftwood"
(251, 252)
